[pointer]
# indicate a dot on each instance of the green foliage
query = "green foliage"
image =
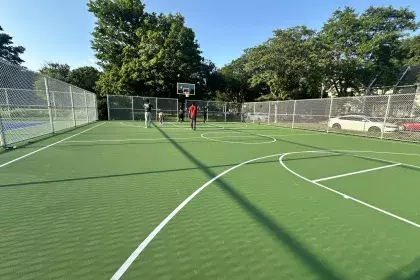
(8, 51)
(365, 49)
(143, 53)
(289, 64)
(411, 51)
(351, 51)
(236, 85)
(84, 77)
(56, 70)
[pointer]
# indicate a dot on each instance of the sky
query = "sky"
(60, 30)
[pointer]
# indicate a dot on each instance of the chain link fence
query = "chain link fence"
(392, 116)
(121, 107)
(32, 105)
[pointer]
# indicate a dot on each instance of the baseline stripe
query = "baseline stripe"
(46, 147)
(355, 173)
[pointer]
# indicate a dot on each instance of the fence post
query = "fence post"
(225, 108)
(108, 105)
(96, 107)
(386, 115)
(47, 92)
(53, 105)
(275, 112)
(207, 111)
(156, 117)
(7, 103)
(329, 115)
(253, 119)
(132, 107)
(87, 110)
(72, 106)
(2, 134)
(269, 112)
(294, 113)
(177, 110)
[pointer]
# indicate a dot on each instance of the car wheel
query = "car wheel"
(374, 129)
(336, 126)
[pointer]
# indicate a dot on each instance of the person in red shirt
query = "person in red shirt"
(193, 115)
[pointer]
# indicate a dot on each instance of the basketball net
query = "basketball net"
(187, 92)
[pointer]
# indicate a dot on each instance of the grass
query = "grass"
(80, 208)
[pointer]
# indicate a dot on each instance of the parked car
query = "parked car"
(362, 123)
(257, 117)
(411, 126)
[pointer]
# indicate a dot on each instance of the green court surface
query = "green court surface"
(228, 201)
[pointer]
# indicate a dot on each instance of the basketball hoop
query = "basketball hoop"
(185, 89)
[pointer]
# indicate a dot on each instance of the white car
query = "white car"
(362, 123)
(257, 117)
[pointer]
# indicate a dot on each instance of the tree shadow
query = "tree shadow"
(312, 147)
(403, 275)
(149, 172)
(309, 259)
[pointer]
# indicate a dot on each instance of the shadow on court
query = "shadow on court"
(313, 148)
(310, 260)
(402, 273)
(153, 172)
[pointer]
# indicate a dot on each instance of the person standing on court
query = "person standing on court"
(193, 115)
(148, 113)
(181, 114)
(205, 114)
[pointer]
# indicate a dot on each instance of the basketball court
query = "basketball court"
(230, 200)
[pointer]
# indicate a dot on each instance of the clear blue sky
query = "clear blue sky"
(59, 30)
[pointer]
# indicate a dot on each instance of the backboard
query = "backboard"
(185, 89)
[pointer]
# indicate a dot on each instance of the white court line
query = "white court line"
(129, 140)
(340, 193)
(182, 138)
(294, 134)
(50, 145)
(272, 139)
(153, 234)
(148, 130)
(355, 173)
(396, 141)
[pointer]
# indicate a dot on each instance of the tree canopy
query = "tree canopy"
(85, 77)
(56, 70)
(143, 53)
(8, 51)
(351, 51)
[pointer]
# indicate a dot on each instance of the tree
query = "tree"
(84, 77)
(8, 51)
(289, 64)
(364, 49)
(411, 51)
(56, 70)
(236, 86)
(143, 53)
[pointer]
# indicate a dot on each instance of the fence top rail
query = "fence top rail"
(140, 96)
(335, 98)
